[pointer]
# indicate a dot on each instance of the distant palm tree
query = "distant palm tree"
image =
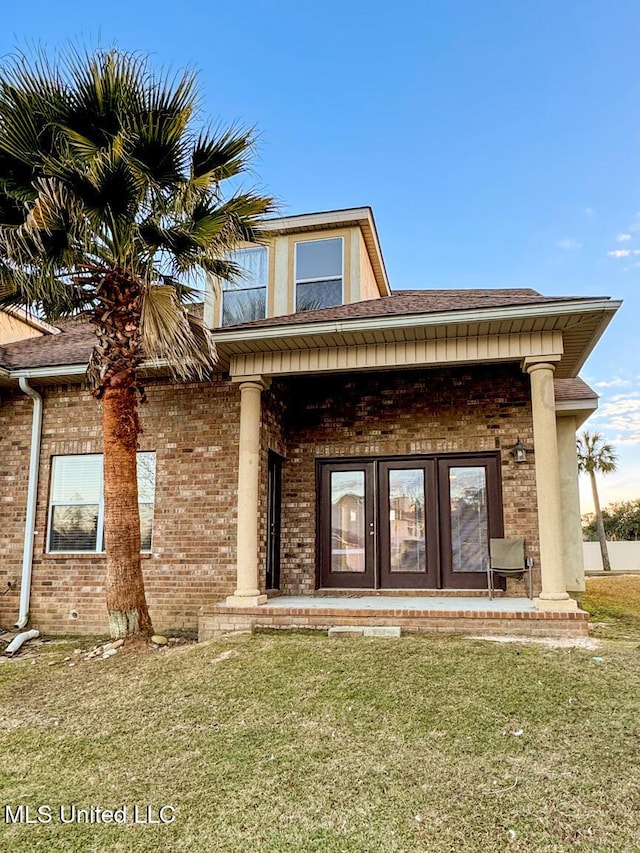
(596, 455)
(110, 200)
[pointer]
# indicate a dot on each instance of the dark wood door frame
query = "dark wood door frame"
(345, 579)
(387, 578)
(274, 519)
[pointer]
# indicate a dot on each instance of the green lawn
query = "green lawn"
(299, 743)
(614, 605)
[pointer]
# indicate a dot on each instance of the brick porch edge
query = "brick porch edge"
(220, 619)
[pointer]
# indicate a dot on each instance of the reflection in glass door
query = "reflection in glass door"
(347, 525)
(406, 521)
(407, 524)
(469, 522)
(470, 512)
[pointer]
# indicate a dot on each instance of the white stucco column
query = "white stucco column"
(554, 594)
(247, 592)
(573, 554)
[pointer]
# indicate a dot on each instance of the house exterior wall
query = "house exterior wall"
(358, 278)
(14, 329)
(461, 410)
(15, 439)
(366, 279)
(194, 431)
(271, 438)
(572, 551)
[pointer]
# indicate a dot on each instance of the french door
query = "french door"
(408, 522)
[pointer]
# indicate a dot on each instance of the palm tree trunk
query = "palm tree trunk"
(126, 603)
(606, 565)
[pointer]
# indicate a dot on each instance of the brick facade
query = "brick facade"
(194, 431)
(461, 410)
(220, 620)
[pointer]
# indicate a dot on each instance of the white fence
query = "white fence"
(622, 555)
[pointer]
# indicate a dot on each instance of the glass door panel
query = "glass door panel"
(406, 521)
(348, 522)
(470, 514)
(407, 524)
(469, 520)
(347, 531)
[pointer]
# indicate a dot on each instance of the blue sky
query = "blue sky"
(498, 142)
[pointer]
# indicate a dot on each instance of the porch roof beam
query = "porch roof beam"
(467, 350)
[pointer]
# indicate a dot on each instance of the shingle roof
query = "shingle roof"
(412, 302)
(72, 346)
(74, 343)
(573, 389)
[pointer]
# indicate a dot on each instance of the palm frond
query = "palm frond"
(103, 176)
(220, 154)
(170, 333)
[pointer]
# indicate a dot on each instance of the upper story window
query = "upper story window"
(318, 274)
(76, 507)
(246, 298)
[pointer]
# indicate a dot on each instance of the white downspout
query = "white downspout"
(32, 496)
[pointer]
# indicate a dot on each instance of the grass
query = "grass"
(614, 605)
(299, 743)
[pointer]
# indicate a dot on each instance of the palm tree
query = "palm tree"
(596, 455)
(111, 203)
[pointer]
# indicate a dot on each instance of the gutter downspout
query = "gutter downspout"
(32, 495)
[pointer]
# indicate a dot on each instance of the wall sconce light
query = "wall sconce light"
(519, 451)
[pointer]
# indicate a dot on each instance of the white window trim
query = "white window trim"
(238, 287)
(297, 281)
(99, 549)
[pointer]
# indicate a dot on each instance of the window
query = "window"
(246, 299)
(76, 513)
(318, 274)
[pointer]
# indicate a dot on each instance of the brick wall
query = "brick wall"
(15, 440)
(467, 409)
(194, 431)
(271, 438)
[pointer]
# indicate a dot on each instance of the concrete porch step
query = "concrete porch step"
(371, 631)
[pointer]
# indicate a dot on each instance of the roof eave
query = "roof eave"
(157, 367)
(441, 318)
(347, 327)
(31, 320)
(607, 317)
(578, 409)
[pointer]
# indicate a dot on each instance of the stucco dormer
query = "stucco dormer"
(310, 261)
(16, 324)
